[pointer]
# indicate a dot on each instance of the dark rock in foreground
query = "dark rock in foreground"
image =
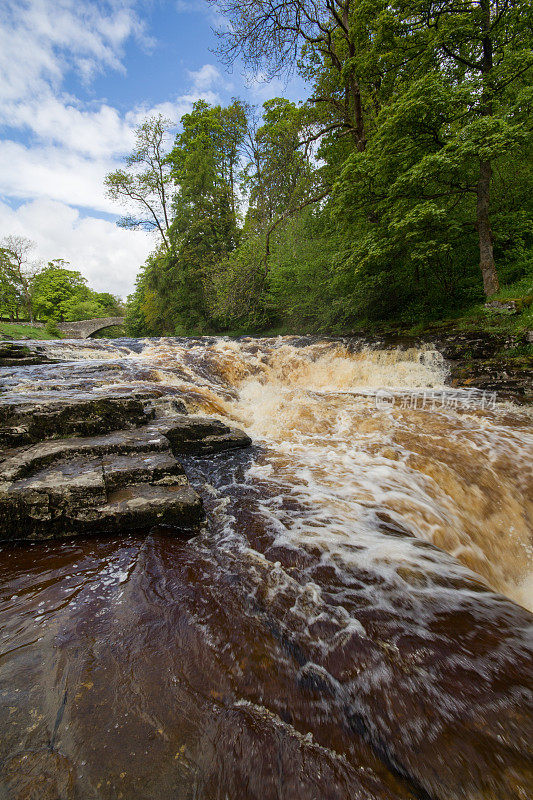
(120, 481)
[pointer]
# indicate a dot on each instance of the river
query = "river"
(352, 623)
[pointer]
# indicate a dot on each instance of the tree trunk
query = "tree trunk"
(486, 255)
(358, 116)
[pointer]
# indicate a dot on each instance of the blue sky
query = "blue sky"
(75, 80)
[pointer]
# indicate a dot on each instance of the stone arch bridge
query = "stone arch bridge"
(86, 327)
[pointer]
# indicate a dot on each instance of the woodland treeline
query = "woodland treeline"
(32, 290)
(402, 188)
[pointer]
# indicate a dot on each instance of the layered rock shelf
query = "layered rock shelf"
(101, 464)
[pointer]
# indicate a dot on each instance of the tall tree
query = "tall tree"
(174, 293)
(10, 300)
(269, 35)
(55, 289)
(143, 185)
(17, 257)
(488, 46)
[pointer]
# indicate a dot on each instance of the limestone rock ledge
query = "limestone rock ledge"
(117, 482)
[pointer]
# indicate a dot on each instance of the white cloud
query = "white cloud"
(204, 78)
(96, 133)
(56, 173)
(109, 257)
(208, 10)
(41, 40)
(64, 147)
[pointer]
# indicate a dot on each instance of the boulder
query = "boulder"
(511, 306)
(14, 354)
(200, 435)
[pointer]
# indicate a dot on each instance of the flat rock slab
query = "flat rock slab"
(159, 468)
(91, 492)
(117, 482)
(178, 508)
(200, 435)
(14, 354)
(34, 421)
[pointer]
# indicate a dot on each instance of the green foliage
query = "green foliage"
(141, 186)
(55, 289)
(114, 332)
(10, 295)
(51, 329)
(78, 309)
(173, 293)
(16, 331)
(63, 294)
(402, 190)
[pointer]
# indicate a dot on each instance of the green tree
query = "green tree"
(143, 185)
(486, 48)
(77, 309)
(394, 191)
(269, 35)
(55, 288)
(111, 304)
(10, 297)
(205, 227)
(19, 272)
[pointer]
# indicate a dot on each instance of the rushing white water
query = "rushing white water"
(353, 434)
(350, 433)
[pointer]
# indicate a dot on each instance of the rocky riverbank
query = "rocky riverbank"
(490, 361)
(105, 463)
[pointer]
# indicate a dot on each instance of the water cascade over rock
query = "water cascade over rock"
(350, 620)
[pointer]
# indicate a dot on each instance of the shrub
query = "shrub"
(52, 329)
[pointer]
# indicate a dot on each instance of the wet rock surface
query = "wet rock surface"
(120, 480)
(25, 421)
(344, 627)
(489, 362)
(511, 378)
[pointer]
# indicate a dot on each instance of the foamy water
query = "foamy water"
(443, 468)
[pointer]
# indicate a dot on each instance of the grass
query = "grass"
(479, 318)
(14, 331)
(482, 319)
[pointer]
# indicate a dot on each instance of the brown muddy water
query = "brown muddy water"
(352, 624)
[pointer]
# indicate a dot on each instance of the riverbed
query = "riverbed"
(352, 621)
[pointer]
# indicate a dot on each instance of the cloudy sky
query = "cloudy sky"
(76, 77)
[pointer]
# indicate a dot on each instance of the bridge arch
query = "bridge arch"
(86, 327)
